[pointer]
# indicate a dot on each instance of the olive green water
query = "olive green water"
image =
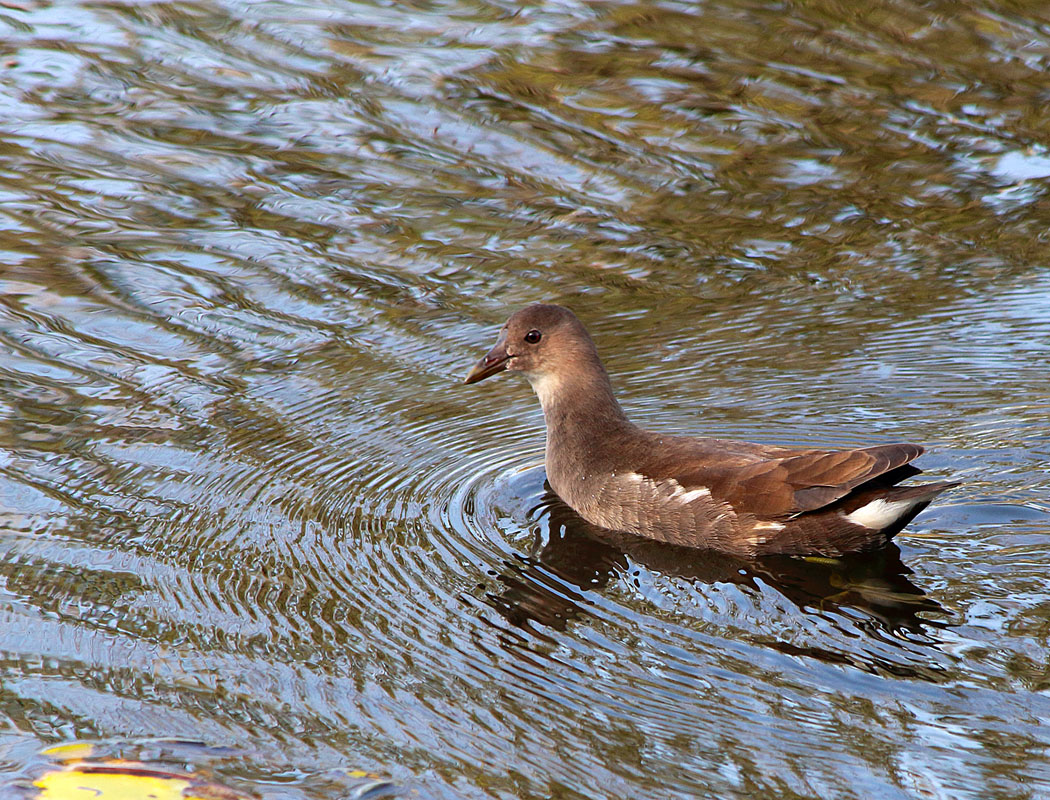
(249, 251)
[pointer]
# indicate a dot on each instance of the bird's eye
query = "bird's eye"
(533, 336)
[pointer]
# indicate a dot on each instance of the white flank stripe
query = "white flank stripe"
(768, 526)
(678, 494)
(881, 513)
(693, 494)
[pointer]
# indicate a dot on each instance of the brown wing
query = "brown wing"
(811, 481)
(794, 484)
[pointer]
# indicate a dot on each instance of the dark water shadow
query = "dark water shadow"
(571, 557)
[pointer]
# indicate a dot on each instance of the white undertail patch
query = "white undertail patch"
(881, 513)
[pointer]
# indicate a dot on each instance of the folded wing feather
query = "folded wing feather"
(793, 484)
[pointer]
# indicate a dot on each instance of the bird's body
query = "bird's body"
(737, 497)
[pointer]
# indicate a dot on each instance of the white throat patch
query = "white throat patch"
(547, 386)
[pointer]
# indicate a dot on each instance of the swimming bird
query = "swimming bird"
(746, 499)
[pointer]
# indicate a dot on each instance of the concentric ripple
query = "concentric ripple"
(250, 250)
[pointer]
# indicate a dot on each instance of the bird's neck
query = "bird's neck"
(582, 415)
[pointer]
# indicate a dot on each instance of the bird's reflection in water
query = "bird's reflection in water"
(573, 557)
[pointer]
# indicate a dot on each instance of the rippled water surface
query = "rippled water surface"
(251, 248)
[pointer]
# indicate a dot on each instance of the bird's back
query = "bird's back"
(740, 497)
